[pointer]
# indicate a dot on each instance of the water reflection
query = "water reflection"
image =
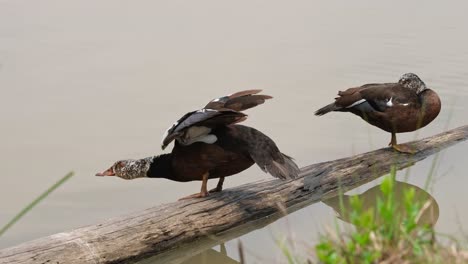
(211, 256)
(98, 89)
(429, 215)
(208, 256)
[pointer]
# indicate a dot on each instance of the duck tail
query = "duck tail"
(285, 168)
(327, 109)
(266, 154)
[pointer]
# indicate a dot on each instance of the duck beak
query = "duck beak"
(109, 172)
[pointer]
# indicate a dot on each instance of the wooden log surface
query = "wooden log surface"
(165, 233)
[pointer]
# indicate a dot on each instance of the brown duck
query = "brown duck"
(210, 144)
(394, 107)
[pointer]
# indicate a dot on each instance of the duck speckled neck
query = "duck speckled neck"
(133, 169)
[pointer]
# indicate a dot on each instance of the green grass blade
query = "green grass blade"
(35, 202)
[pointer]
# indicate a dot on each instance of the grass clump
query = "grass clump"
(389, 232)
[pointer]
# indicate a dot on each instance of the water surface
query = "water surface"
(84, 83)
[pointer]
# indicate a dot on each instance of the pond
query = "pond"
(87, 83)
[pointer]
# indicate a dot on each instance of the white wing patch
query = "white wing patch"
(197, 134)
(389, 102)
(357, 103)
(188, 120)
(405, 104)
(208, 139)
(207, 109)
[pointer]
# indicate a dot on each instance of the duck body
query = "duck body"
(393, 107)
(209, 143)
(237, 148)
(226, 157)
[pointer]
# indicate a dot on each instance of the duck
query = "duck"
(400, 107)
(209, 143)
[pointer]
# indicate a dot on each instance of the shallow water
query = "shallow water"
(85, 83)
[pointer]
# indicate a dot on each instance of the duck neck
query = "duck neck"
(161, 167)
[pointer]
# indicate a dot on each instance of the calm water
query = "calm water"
(84, 83)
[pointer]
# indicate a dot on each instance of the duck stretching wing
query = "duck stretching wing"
(196, 126)
(239, 101)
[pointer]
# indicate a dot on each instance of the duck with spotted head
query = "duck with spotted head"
(399, 107)
(209, 143)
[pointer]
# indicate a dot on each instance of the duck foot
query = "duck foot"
(215, 190)
(404, 148)
(195, 195)
(219, 186)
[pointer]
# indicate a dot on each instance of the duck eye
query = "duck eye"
(118, 165)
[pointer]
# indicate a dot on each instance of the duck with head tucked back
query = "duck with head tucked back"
(399, 107)
(210, 144)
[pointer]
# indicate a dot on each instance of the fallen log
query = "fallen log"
(158, 233)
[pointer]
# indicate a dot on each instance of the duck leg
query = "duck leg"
(403, 148)
(222, 249)
(203, 191)
(219, 187)
(393, 140)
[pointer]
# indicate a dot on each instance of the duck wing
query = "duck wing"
(266, 154)
(371, 97)
(386, 96)
(196, 125)
(239, 101)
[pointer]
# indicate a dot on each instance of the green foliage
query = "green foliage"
(327, 252)
(390, 231)
(30, 206)
(382, 232)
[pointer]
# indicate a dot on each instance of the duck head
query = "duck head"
(412, 82)
(128, 169)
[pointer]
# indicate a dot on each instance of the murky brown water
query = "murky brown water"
(84, 83)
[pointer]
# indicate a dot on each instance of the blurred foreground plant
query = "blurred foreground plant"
(30, 206)
(391, 231)
(384, 234)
